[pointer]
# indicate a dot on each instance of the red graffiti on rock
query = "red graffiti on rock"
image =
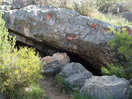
(71, 37)
(94, 25)
(48, 16)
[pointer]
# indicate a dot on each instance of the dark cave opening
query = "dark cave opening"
(49, 51)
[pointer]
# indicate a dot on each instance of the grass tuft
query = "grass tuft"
(78, 95)
(32, 92)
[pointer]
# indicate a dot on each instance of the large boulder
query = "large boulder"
(53, 64)
(130, 94)
(75, 74)
(63, 29)
(107, 87)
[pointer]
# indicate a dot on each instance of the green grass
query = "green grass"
(67, 88)
(64, 85)
(77, 95)
(113, 19)
(33, 92)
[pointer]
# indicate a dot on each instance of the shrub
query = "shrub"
(6, 42)
(122, 44)
(18, 68)
(6, 47)
(114, 70)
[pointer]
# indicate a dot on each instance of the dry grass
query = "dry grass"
(1, 2)
(86, 8)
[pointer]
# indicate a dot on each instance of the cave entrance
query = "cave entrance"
(49, 51)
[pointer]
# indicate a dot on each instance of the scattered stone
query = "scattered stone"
(53, 64)
(75, 74)
(106, 87)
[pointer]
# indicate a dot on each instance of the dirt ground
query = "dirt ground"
(52, 92)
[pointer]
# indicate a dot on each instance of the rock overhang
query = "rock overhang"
(64, 29)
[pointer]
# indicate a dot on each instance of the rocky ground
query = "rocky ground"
(79, 78)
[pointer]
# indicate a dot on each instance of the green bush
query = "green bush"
(114, 70)
(21, 68)
(6, 47)
(122, 44)
(18, 68)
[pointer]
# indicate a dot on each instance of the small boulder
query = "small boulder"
(53, 64)
(75, 74)
(107, 87)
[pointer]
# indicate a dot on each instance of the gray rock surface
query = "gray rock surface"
(53, 64)
(75, 74)
(130, 93)
(107, 87)
(63, 29)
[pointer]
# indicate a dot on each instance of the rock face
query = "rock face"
(130, 94)
(53, 64)
(106, 87)
(75, 74)
(63, 29)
